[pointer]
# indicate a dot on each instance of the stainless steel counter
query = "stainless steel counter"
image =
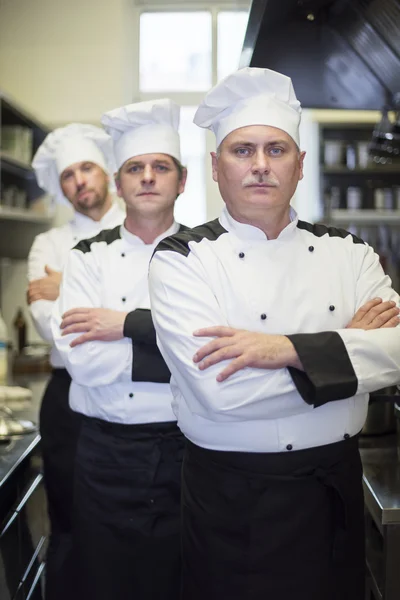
(14, 451)
(381, 478)
(381, 483)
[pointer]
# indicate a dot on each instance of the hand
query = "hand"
(248, 349)
(101, 324)
(46, 288)
(375, 314)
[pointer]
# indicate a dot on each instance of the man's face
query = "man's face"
(150, 183)
(257, 168)
(85, 185)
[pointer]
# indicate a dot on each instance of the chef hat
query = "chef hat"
(250, 96)
(65, 146)
(144, 128)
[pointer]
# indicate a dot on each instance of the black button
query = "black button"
(123, 299)
(311, 248)
(151, 500)
(131, 395)
(289, 447)
(331, 308)
(122, 254)
(241, 254)
(346, 436)
(263, 316)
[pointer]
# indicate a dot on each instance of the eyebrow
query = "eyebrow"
(252, 144)
(139, 163)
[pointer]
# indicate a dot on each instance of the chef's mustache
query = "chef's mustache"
(261, 178)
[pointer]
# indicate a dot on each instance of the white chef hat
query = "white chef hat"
(67, 145)
(144, 128)
(250, 96)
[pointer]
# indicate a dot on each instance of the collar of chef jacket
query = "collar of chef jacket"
(133, 239)
(84, 223)
(249, 232)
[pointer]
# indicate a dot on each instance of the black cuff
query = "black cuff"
(148, 364)
(328, 373)
(139, 326)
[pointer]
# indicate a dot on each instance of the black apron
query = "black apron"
(280, 525)
(59, 430)
(127, 511)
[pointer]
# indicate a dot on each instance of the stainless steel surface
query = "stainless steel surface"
(381, 479)
(380, 418)
(14, 450)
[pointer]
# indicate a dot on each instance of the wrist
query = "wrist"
(291, 357)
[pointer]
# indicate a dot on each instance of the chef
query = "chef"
(72, 165)
(127, 479)
(270, 369)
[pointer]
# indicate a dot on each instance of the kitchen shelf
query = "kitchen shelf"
(15, 166)
(19, 227)
(370, 170)
(25, 216)
(373, 217)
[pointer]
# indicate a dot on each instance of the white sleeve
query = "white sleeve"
(374, 354)
(181, 302)
(42, 253)
(348, 362)
(94, 363)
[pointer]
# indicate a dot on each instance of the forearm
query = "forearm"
(41, 312)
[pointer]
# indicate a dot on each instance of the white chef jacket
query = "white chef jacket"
(123, 381)
(51, 248)
(310, 280)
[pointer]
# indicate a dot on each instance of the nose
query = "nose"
(79, 179)
(261, 163)
(148, 174)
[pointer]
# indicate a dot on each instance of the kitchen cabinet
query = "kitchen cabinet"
(20, 217)
(359, 194)
(381, 484)
(24, 531)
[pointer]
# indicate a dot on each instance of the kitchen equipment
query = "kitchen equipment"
(333, 153)
(9, 424)
(397, 416)
(381, 417)
(354, 198)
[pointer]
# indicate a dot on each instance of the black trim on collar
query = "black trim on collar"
(106, 235)
(180, 241)
(318, 229)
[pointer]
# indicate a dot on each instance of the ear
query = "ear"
(301, 164)
(118, 184)
(214, 164)
(182, 182)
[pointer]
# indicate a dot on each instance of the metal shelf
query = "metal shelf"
(374, 217)
(26, 216)
(15, 166)
(370, 170)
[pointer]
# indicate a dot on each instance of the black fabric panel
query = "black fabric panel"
(244, 536)
(180, 241)
(59, 431)
(148, 364)
(107, 235)
(127, 518)
(328, 373)
(318, 229)
(138, 326)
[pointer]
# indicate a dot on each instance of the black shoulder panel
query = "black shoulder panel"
(318, 229)
(180, 241)
(107, 235)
